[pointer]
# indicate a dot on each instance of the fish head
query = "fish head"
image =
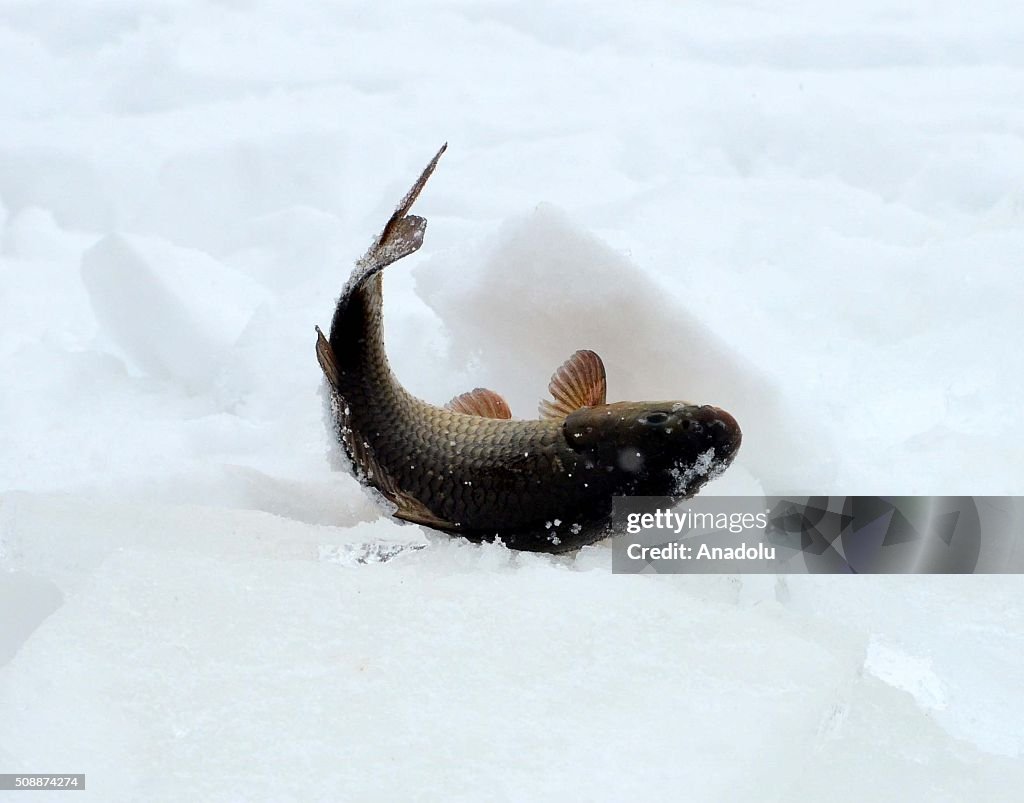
(655, 448)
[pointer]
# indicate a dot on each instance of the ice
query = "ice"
(189, 680)
(175, 313)
(808, 214)
(918, 648)
(33, 599)
(237, 648)
(907, 672)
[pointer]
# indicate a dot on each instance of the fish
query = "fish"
(469, 468)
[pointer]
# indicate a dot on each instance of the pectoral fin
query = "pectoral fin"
(579, 382)
(482, 402)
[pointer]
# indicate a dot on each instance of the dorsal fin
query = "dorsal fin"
(482, 402)
(579, 382)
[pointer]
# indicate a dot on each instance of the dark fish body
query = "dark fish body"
(539, 485)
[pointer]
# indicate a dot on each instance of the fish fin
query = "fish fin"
(325, 356)
(411, 509)
(579, 382)
(394, 227)
(482, 402)
(402, 234)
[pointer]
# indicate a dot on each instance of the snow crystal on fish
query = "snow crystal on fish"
(704, 466)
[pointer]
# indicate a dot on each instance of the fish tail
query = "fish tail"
(402, 235)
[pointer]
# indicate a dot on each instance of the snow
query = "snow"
(811, 215)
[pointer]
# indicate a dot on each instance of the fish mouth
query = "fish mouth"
(725, 433)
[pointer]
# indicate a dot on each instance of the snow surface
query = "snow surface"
(811, 214)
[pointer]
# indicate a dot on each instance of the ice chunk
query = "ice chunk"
(188, 642)
(25, 602)
(911, 673)
(174, 312)
(59, 180)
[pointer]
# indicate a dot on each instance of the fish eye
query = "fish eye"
(655, 418)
